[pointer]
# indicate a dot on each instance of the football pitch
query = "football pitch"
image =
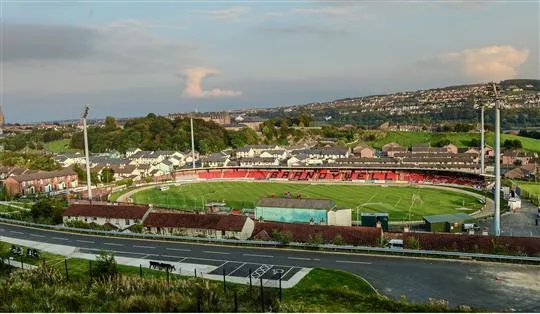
(401, 203)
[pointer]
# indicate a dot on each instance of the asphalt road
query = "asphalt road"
(491, 286)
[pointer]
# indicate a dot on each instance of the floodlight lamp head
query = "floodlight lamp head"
(85, 113)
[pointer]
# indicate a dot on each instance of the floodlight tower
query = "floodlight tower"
(497, 196)
(482, 140)
(87, 157)
(192, 143)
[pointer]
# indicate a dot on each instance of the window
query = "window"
(127, 221)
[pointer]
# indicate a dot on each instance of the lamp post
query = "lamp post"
(192, 143)
(482, 131)
(87, 157)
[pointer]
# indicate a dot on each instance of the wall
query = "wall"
(340, 217)
(299, 215)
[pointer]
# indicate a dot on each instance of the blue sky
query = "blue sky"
(128, 58)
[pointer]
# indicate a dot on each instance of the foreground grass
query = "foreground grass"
(395, 200)
(45, 290)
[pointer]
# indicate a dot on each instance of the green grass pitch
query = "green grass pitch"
(402, 203)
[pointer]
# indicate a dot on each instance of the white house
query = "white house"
(217, 160)
(259, 161)
(132, 151)
(121, 217)
(207, 225)
(280, 154)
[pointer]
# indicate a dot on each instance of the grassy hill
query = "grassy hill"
(459, 139)
(59, 146)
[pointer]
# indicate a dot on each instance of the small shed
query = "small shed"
(446, 223)
(371, 220)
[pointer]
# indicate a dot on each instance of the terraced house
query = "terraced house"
(51, 182)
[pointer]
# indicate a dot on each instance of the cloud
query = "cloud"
(329, 11)
(304, 30)
(193, 88)
(48, 59)
(229, 14)
(32, 41)
(487, 63)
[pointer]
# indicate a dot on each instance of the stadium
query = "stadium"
(406, 195)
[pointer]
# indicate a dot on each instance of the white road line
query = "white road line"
(283, 275)
(115, 251)
(237, 268)
(300, 258)
(173, 256)
(113, 244)
(316, 259)
(37, 235)
(17, 232)
(63, 239)
(180, 261)
(221, 265)
(181, 250)
(257, 255)
(144, 247)
(353, 262)
(214, 252)
(84, 241)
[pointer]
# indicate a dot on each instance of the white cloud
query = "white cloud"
(487, 63)
(228, 14)
(330, 11)
(193, 88)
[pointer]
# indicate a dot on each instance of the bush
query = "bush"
(315, 239)
(105, 267)
(338, 240)
(285, 237)
(413, 243)
(48, 210)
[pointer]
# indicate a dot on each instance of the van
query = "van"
(395, 244)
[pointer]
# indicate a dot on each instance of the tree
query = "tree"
(110, 124)
(283, 236)
(48, 210)
(107, 175)
(442, 142)
(315, 239)
(512, 144)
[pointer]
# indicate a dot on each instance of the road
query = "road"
(491, 286)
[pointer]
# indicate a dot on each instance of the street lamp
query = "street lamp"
(497, 196)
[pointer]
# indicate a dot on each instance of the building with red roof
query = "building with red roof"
(119, 216)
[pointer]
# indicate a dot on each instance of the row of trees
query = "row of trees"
(160, 133)
(29, 160)
(34, 139)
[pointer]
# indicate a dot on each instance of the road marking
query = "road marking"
(283, 275)
(182, 250)
(17, 232)
(63, 239)
(258, 255)
(214, 252)
(222, 265)
(37, 235)
(113, 244)
(237, 268)
(115, 251)
(173, 256)
(300, 258)
(84, 241)
(352, 262)
(316, 259)
(144, 247)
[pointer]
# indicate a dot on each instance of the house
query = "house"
(517, 157)
(66, 160)
(120, 216)
(216, 160)
(364, 151)
(393, 150)
(388, 146)
(446, 223)
(194, 225)
(12, 171)
(165, 166)
(280, 154)
(132, 151)
(146, 158)
(451, 148)
(189, 156)
(259, 161)
(298, 160)
(327, 153)
(245, 152)
(41, 182)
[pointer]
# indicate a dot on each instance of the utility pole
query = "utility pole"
(497, 196)
(87, 157)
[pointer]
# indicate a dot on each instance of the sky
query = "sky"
(129, 58)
